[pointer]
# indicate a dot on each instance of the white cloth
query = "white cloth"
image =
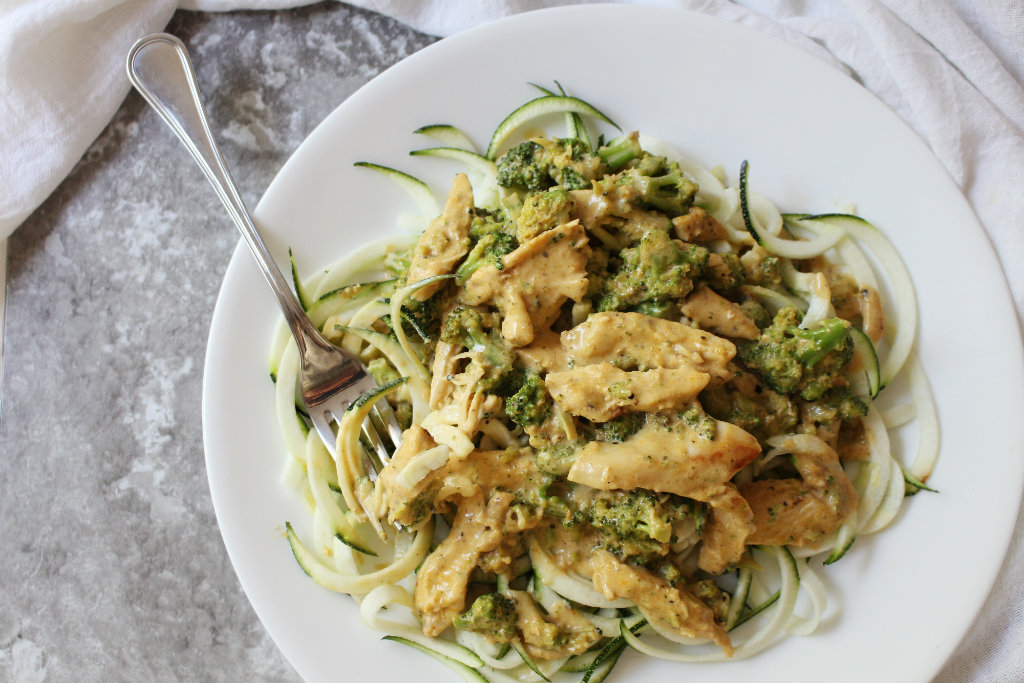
(952, 69)
(62, 77)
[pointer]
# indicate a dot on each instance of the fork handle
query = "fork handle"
(160, 69)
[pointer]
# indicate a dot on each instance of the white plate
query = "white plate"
(722, 93)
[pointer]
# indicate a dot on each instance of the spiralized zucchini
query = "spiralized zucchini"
(367, 304)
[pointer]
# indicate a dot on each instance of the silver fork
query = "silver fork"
(330, 378)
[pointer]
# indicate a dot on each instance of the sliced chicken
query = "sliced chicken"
(534, 282)
(680, 459)
(443, 368)
(634, 340)
(445, 241)
(699, 226)
(557, 633)
(801, 511)
(442, 580)
(600, 392)
(712, 311)
(544, 354)
(675, 608)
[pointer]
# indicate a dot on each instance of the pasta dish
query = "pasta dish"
(640, 407)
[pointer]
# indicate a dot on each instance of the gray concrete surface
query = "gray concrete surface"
(111, 564)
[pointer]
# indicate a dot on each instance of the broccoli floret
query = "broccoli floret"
(620, 428)
(848, 406)
(492, 615)
(541, 163)
(793, 360)
(539, 496)
(542, 211)
(708, 592)
(661, 184)
(766, 414)
(659, 308)
(760, 269)
(654, 275)
(488, 251)
(814, 344)
(699, 421)
(634, 514)
(638, 523)
(524, 167)
(465, 326)
(485, 222)
(557, 458)
(620, 151)
(531, 404)
(493, 236)
(840, 403)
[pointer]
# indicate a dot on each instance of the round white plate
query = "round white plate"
(721, 93)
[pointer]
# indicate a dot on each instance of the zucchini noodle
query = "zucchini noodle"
(639, 407)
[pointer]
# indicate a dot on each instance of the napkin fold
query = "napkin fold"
(62, 77)
(952, 69)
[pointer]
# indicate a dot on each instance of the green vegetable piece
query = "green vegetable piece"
(487, 252)
(820, 340)
(382, 371)
(661, 184)
(700, 422)
(300, 291)
(727, 273)
(557, 458)
(465, 326)
(620, 151)
(542, 163)
(485, 222)
(794, 360)
(531, 404)
(544, 210)
(524, 167)
(632, 514)
(418, 317)
(620, 428)
(766, 414)
(492, 615)
(654, 275)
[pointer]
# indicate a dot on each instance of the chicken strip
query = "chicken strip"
(801, 511)
(712, 311)
(534, 281)
(600, 392)
(445, 241)
(675, 608)
(680, 458)
(635, 340)
(443, 578)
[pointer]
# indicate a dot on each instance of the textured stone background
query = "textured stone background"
(111, 563)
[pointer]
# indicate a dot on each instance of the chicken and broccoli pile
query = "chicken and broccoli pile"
(607, 366)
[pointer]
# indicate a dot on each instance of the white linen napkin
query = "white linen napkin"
(62, 77)
(952, 69)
